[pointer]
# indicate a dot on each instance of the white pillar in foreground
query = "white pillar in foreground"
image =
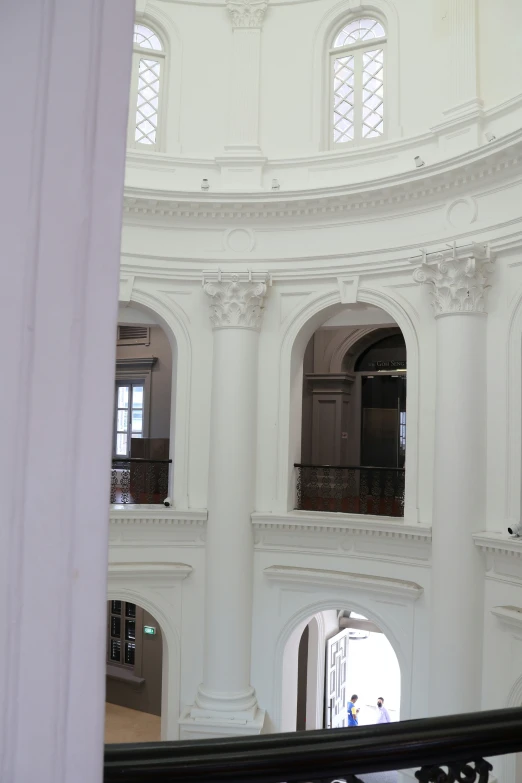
(62, 150)
(226, 703)
(458, 282)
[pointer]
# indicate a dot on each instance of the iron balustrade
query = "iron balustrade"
(352, 490)
(446, 749)
(140, 481)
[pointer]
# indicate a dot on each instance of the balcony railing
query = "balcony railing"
(352, 490)
(443, 750)
(141, 481)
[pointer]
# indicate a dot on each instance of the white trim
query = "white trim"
(498, 543)
(380, 585)
(510, 616)
(349, 524)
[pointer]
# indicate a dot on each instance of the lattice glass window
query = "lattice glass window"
(358, 85)
(147, 83)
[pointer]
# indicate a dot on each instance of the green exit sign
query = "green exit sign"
(149, 629)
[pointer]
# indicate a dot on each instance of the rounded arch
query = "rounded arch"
(298, 621)
(174, 322)
(170, 674)
(297, 332)
(355, 345)
(344, 11)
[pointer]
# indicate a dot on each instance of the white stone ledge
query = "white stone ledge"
(344, 524)
(156, 515)
(319, 577)
(509, 615)
(498, 543)
(169, 572)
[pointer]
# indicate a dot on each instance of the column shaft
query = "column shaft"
(229, 547)
(63, 155)
(458, 511)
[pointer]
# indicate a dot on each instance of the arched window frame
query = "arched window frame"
(148, 54)
(357, 50)
(332, 21)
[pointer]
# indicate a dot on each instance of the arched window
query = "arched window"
(357, 72)
(147, 79)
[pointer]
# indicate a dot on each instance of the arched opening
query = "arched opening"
(331, 656)
(134, 674)
(144, 399)
(353, 429)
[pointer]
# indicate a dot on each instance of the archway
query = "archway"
(134, 673)
(296, 335)
(353, 444)
(330, 656)
(145, 394)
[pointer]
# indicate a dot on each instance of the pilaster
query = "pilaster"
(242, 164)
(461, 127)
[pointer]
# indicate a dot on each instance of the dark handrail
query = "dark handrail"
(325, 754)
(345, 467)
(139, 459)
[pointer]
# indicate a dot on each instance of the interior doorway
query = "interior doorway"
(134, 662)
(350, 655)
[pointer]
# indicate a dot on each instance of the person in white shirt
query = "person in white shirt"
(384, 715)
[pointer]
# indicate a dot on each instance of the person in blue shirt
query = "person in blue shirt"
(353, 711)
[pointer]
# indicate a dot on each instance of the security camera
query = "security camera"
(516, 530)
(167, 502)
(418, 161)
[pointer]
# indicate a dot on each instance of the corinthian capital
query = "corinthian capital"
(236, 303)
(247, 13)
(458, 279)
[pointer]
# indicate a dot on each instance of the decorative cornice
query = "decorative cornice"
(236, 303)
(442, 180)
(349, 524)
(322, 578)
(499, 544)
(457, 278)
(160, 517)
(247, 13)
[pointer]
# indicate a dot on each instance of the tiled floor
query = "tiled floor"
(124, 725)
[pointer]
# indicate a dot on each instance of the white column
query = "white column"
(62, 147)
(226, 703)
(458, 283)
(242, 164)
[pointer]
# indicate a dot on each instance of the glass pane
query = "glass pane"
(122, 420)
(130, 649)
(137, 421)
(123, 396)
(137, 396)
(115, 626)
(343, 98)
(130, 610)
(115, 607)
(146, 38)
(130, 629)
(359, 30)
(121, 444)
(115, 650)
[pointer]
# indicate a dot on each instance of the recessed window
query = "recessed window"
(128, 415)
(357, 60)
(146, 96)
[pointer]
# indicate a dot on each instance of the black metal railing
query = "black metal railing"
(136, 480)
(443, 750)
(352, 490)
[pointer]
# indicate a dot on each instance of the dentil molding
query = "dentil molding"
(247, 13)
(458, 279)
(235, 302)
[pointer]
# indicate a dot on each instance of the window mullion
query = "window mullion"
(357, 109)
(129, 420)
